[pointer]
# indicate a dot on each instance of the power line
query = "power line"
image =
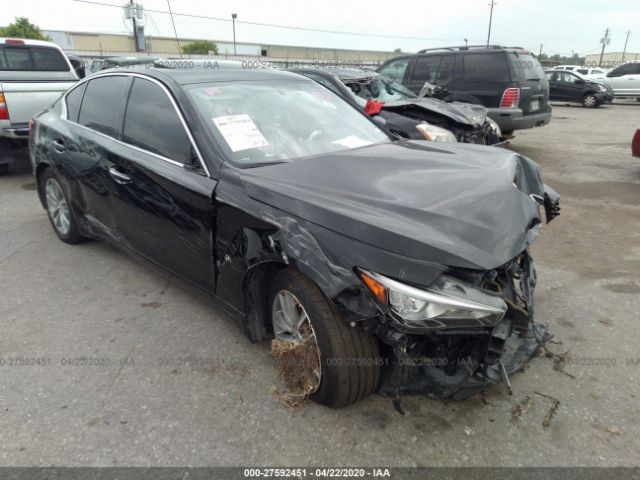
(273, 25)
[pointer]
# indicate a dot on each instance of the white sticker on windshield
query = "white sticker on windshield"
(351, 141)
(240, 132)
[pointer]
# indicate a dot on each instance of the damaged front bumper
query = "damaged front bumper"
(461, 359)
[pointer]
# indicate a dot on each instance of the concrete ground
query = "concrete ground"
(105, 362)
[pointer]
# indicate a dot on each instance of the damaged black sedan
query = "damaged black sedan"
(402, 265)
(404, 113)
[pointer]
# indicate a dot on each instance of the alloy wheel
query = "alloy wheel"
(58, 207)
(291, 324)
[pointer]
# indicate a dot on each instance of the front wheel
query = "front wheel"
(348, 359)
(590, 101)
(58, 204)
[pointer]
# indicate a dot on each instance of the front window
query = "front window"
(395, 69)
(260, 122)
(380, 89)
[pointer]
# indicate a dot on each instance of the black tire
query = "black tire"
(590, 101)
(4, 168)
(73, 235)
(349, 356)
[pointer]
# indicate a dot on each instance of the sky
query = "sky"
(561, 26)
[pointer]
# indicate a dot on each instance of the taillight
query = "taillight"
(510, 98)
(635, 144)
(14, 41)
(31, 125)
(4, 111)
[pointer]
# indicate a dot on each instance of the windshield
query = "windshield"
(260, 122)
(380, 88)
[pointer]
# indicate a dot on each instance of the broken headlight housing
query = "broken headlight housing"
(435, 134)
(447, 303)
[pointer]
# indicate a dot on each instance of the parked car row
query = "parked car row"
(623, 81)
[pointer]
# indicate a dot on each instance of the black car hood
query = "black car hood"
(455, 204)
(465, 113)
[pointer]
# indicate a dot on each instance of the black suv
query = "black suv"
(509, 81)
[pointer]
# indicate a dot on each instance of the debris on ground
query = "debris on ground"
(520, 409)
(553, 407)
(523, 406)
(298, 364)
(559, 362)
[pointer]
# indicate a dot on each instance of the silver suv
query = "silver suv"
(624, 80)
(33, 75)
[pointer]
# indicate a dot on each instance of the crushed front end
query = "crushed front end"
(471, 330)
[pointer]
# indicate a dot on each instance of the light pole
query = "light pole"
(233, 20)
(466, 42)
(493, 3)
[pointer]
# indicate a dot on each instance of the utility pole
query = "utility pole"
(233, 20)
(135, 26)
(174, 29)
(540, 54)
(605, 41)
(493, 3)
(625, 44)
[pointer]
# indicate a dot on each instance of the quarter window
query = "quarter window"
(74, 99)
(151, 123)
(100, 109)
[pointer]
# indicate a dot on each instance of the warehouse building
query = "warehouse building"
(610, 59)
(108, 44)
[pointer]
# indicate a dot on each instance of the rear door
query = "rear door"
(32, 78)
(161, 194)
(87, 142)
(529, 76)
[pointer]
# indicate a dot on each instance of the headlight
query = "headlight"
(448, 303)
(602, 88)
(435, 134)
(494, 126)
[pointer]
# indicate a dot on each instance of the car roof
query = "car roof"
(220, 74)
(28, 42)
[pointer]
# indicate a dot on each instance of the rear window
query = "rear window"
(485, 67)
(37, 59)
(525, 66)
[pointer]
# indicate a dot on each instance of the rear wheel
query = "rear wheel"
(348, 358)
(590, 101)
(58, 203)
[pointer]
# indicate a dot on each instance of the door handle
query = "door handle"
(58, 146)
(118, 176)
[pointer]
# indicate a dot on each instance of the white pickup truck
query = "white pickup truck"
(33, 74)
